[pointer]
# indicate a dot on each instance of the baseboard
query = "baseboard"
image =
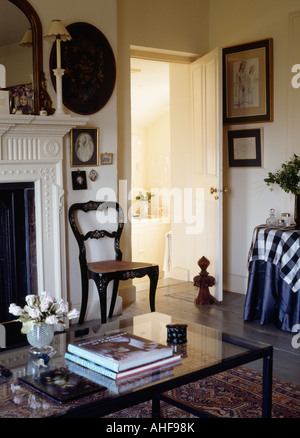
(93, 308)
(127, 292)
(235, 283)
(179, 273)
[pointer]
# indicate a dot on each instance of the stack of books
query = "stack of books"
(120, 355)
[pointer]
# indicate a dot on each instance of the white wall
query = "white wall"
(193, 26)
(103, 15)
(234, 22)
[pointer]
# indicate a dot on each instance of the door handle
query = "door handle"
(225, 190)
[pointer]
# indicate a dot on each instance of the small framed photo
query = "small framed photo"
(84, 147)
(244, 148)
(79, 180)
(248, 82)
(106, 158)
(21, 100)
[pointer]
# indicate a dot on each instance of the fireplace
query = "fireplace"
(18, 276)
(32, 215)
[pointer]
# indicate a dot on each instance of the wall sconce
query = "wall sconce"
(57, 32)
(27, 39)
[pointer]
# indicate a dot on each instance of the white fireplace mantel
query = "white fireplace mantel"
(31, 149)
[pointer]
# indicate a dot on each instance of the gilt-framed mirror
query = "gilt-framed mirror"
(37, 49)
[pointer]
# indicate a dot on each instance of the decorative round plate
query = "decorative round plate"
(90, 69)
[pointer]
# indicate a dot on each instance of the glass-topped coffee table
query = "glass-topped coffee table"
(207, 352)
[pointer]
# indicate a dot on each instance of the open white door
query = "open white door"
(196, 166)
(207, 135)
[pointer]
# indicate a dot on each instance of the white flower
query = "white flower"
(46, 303)
(73, 314)
(31, 300)
(41, 308)
(51, 320)
(34, 313)
(63, 307)
(15, 310)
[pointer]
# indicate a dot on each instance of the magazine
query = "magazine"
(175, 359)
(126, 384)
(61, 385)
(120, 351)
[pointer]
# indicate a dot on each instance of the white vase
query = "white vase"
(40, 337)
(144, 208)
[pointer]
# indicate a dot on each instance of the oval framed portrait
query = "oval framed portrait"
(90, 69)
(84, 147)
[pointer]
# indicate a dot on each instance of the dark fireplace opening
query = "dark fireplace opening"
(18, 265)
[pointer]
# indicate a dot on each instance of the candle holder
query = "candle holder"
(57, 32)
(176, 334)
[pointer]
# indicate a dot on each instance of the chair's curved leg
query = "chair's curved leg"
(153, 275)
(113, 298)
(84, 291)
(101, 282)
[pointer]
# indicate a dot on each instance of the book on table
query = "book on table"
(120, 351)
(149, 367)
(122, 385)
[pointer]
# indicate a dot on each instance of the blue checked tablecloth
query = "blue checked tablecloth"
(280, 247)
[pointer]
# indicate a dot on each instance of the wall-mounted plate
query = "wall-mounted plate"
(90, 69)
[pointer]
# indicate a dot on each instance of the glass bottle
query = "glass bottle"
(287, 218)
(271, 221)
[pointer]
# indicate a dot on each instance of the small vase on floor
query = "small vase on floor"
(297, 211)
(40, 337)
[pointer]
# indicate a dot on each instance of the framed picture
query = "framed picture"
(106, 158)
(79, 180)
(84, 147)
(244, 148)
(90, 69)
(248, 82)
(21, 100)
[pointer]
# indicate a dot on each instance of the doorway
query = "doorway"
(195, 167)
(150, 162)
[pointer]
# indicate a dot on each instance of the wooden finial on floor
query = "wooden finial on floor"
(204, 281)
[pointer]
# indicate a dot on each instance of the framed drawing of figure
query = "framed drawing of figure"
(248, 82)
(84, 147)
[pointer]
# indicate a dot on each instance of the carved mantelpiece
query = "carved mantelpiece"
(31, 149)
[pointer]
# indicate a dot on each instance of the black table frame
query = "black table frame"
(156, 392)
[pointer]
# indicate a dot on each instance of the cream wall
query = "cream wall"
(103, 15)
(193, 26)
(158, 153)
(179, 26)
(151, 156)
(234, 22)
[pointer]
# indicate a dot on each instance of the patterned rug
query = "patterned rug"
(236, 393)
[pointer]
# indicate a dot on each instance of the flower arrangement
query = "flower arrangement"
(20, 91)
(41, 309)
(287, 177)
(144, 196)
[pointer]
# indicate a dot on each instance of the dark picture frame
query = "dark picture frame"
(90, 69)
(84, 147)
(245, 148)
(79, 180)
(248, 82)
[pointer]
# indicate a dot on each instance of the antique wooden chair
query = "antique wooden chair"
(102, 272)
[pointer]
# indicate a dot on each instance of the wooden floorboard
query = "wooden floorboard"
(177, 299)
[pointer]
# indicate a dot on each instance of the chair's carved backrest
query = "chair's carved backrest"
(81, 238)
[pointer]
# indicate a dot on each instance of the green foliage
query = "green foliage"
(144, 196)
(287, 177)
